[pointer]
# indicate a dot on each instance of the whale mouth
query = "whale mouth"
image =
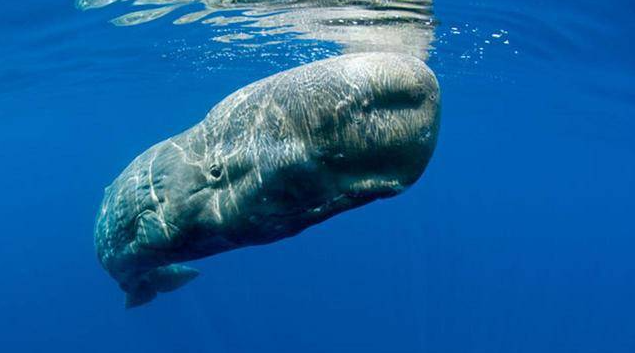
(358, 193)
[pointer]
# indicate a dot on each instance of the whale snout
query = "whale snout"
(385, 127)
(403, 99)
(399, 81)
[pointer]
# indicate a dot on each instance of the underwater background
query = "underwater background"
(518, 238)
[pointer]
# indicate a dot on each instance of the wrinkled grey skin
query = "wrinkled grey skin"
(270, 160)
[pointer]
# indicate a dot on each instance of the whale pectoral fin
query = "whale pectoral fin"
(141, 295)
(152, 232)
(162, 279)
(168, 278)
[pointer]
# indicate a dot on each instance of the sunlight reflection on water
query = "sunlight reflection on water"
(356, 25)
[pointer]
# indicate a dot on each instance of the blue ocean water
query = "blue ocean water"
(518, 238)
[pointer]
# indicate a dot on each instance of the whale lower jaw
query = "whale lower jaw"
(357, 194)
(375, 188)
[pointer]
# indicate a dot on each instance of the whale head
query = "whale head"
(311, 142)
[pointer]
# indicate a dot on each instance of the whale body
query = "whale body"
(268, 161)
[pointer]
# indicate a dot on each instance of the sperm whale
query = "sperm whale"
(270, 160)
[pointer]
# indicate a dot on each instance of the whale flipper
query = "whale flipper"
(141, 295)
(163, 279)
(168, 278)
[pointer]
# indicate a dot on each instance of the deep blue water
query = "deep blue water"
(519, 237)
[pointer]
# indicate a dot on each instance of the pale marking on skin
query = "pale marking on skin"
(134, 247)
(230, 186)
(186, 158)
(104, 209)
(216, 207)
(259, 118)
(106, 222)
(142, 227)
(205, 141)
(155, 198)
(118, 211)
(137, 203)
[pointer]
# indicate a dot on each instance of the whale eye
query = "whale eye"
(215, 171)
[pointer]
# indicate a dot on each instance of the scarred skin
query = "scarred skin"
(270, 160)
